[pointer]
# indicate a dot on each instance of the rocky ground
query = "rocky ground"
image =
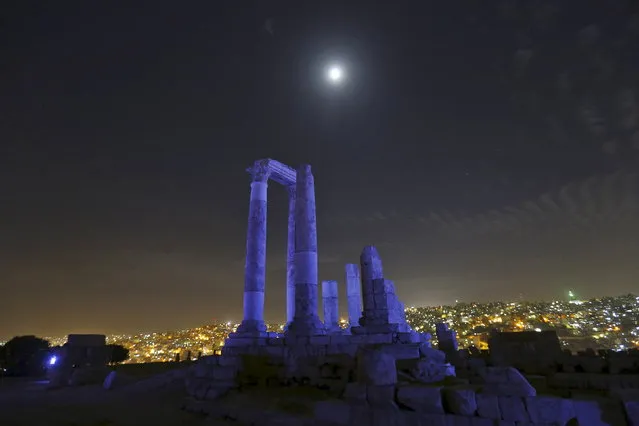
(27, 402)
(30, 403)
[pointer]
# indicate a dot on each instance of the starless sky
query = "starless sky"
(489, 150)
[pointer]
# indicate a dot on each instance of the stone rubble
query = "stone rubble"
(503, 381)
(116, 379)
(459, 400)
(424, 399)
(375, 367)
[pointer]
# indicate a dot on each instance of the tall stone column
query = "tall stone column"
(330, 302)
(255, 266)
(290, 256)
(353, 294)
(305, 321)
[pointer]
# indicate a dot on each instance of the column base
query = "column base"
(305, 326)
(375, 329)
(335, 330)
(250, 328)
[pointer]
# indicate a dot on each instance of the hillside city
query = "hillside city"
(603, 323)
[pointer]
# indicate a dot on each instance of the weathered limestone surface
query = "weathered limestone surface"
(353, 293)
(378, 400)
(549, 409)
(334, 412)
(374, 292)
(330, 303)
(459, 400)
(512, 408)
(599, 412)
(375, 367)
(381, 396)
(402, 350)
(383, 312)
(306, 321)
(425, 399)
(428, 352)
(487, 406)
(255, 266)
(504, 381)
(428, 371)
(447, 341)
(290, 256)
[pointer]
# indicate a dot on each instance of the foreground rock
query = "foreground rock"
(503, 381)
(116, 379)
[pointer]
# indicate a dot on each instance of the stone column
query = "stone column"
(290, 257)
(255, 266)
(330, 302)
(305, 321)
(372, 279)
(353, 294)
(378, 293)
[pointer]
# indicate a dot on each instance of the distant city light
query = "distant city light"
(593, 323)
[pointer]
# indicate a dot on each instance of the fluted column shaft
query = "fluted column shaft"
(290, 256)
(255, 266)
(353, 294)
(305, 321)
(330, 303)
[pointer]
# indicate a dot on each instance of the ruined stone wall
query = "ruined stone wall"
(432, 405)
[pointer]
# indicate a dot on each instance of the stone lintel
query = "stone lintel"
(278, 172)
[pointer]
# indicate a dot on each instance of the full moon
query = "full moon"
(335, 74)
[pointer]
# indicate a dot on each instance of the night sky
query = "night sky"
(489, 149)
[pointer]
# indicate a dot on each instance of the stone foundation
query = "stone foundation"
(362, 395)
(441, 406)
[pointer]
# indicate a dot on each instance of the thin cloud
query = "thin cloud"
(596, 201)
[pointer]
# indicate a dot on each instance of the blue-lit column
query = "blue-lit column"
(255, 266)
(374, 290)
(305, 321)
(330, 302)
(353, 294)
(290, 256)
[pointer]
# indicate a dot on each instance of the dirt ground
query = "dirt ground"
(28, 403)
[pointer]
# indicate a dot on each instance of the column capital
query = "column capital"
(260, 171)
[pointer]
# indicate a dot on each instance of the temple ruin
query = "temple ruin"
(379, 370)
(382, 312)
